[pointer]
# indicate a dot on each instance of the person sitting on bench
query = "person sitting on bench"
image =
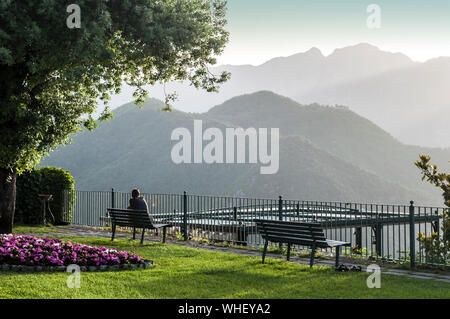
(137, 201)
(136, 216)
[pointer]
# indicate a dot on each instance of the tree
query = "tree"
(431, 174)
(52, 75)
(437, 249)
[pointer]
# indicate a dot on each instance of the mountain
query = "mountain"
(326, 153)
(290, 76)
(410, 100)
(337, 130)
(413, 103)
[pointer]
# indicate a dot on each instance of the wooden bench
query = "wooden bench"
(297, 233)
(135, 219)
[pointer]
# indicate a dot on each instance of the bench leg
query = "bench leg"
(113, 232)
(313, 253)
(288, 252)
(338, 248)
(264, 251)
(134, 233)
(142, 237)
(164, 234)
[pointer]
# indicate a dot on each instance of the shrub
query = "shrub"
(45, 180)
(437, 248)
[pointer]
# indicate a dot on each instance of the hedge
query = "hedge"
(45, 180)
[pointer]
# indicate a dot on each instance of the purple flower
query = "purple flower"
(30, 250)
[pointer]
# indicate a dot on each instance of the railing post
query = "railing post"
(379, 239)
(280, 213)
(185, 216)
(280, 207)
(412, 237)
(113, 199)
(435, 225)
(358, 238)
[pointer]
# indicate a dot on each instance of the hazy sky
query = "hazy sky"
(263, 29)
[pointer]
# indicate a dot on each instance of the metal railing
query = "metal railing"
(387, 232)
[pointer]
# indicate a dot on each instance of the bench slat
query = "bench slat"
(288, 223)
(126, 214)
(294, 225)
(294, 240)
(292, 229)
(305, 242)
(290, 235)
(120, 210)
(270, 228)
(131, 218)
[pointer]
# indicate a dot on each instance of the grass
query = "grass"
(183, 272)
(27, 229)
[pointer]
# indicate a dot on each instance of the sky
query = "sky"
(263, 29)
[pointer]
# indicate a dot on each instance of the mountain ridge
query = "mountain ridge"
(134, 150)
(388, 88)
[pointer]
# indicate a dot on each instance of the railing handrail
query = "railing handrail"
(275, 200)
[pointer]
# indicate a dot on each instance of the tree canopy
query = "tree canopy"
(51, 76)
(53, 72)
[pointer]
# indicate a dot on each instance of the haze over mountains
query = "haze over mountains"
(408, 99)
(326, 153)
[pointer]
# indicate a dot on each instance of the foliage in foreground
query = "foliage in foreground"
(45, 180)
(437, 248)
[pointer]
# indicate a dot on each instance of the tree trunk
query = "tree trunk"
(7, 200)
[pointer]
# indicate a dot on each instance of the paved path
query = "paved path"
(385, 269)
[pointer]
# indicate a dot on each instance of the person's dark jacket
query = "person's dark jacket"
(139, 203)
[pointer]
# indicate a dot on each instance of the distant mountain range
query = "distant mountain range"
(326, 153)
(410, 100)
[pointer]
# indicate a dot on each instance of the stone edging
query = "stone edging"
(24, 268)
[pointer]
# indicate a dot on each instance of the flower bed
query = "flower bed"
(20, 251)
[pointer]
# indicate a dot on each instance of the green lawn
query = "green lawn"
(182, 272)
(26, 229)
